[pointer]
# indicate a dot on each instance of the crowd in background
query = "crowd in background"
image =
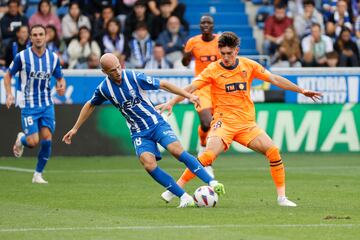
(312, 33)
(141, 33)
(151, 33)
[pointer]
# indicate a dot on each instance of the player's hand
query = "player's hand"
(315, 96)
(195, 100)
(67, 138)
(165, 107)
(60, 87)
(9, 100)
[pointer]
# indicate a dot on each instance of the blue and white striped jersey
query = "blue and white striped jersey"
(34, 77)
(130, 98)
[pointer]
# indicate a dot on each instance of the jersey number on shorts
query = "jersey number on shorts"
(28, 121)
(137, 141)
(217, 124)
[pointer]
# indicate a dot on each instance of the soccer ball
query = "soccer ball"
(205, 196)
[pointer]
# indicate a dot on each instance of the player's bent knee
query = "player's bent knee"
(273, 154)
(175, 149)
(32, 142)
(148, 161)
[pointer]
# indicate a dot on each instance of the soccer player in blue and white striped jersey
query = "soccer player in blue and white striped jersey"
(125, 90)
(36, 65)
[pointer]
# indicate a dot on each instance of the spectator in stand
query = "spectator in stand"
(19, 43)
(125, 7)
(289, 53)
(99, 29)
(56, 45)
(303, 23)
(339, 19)
(11, 20)
(45, 17)
(80, 48)
(158, 60)
(173, 39)
(160, 21)
(115, 42)
(332, 59)
(93, 61)
(140, 47)
(139, 14)
(315, 46)
(4, 6)
(93, 8)
(274, 29)
(177, 9)
(347, 49)
(72, 21)
(328, 8)
(357, 31)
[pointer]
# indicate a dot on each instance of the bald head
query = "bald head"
(109, 61)
(110, 65)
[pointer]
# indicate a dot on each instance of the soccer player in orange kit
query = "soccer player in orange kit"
(230, 79)
(203, 48)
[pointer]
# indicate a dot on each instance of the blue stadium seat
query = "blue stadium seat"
(262, 13)
(216, 8)
(258, 2)
(228, 18)
(190, 2)
(31, 10)
(241, 30)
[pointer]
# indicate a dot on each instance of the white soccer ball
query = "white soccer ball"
(205, 196)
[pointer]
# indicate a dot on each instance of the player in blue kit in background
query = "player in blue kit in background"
(35, 65)
(125, 90)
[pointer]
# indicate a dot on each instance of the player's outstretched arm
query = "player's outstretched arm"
(9, 96)
(85, 113)
(288, 85)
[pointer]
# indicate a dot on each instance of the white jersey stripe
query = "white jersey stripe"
(131, 88)
(146, 99)
(47, 57)
(23, 79)
(31, 79)
(108, 83)
(39, 85)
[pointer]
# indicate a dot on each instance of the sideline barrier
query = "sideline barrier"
(293, 127)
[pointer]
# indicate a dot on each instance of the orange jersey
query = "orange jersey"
(203, 52)
(230, 89)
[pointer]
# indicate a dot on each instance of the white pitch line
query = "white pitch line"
(54, 229)
(16, 169)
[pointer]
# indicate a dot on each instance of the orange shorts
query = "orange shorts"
(229, 132)
(205, 99)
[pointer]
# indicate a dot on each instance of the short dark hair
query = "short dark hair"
(280, 5)
(38, 26)
(18, 28)
(228, 39)
(315, 24)
(140, 3)
(332, 54)
(13, 1)
(308, 2)
(141, 25)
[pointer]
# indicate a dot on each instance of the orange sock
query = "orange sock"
(202, 136)
(276, 167)
(206, 159)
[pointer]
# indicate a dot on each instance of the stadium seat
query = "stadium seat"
(31, 10)
(217, 8)
(228, 18)
(261, 14)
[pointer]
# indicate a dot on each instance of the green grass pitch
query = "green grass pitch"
(113, 198)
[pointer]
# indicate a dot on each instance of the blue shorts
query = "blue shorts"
(33, 119)
(146, 141)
